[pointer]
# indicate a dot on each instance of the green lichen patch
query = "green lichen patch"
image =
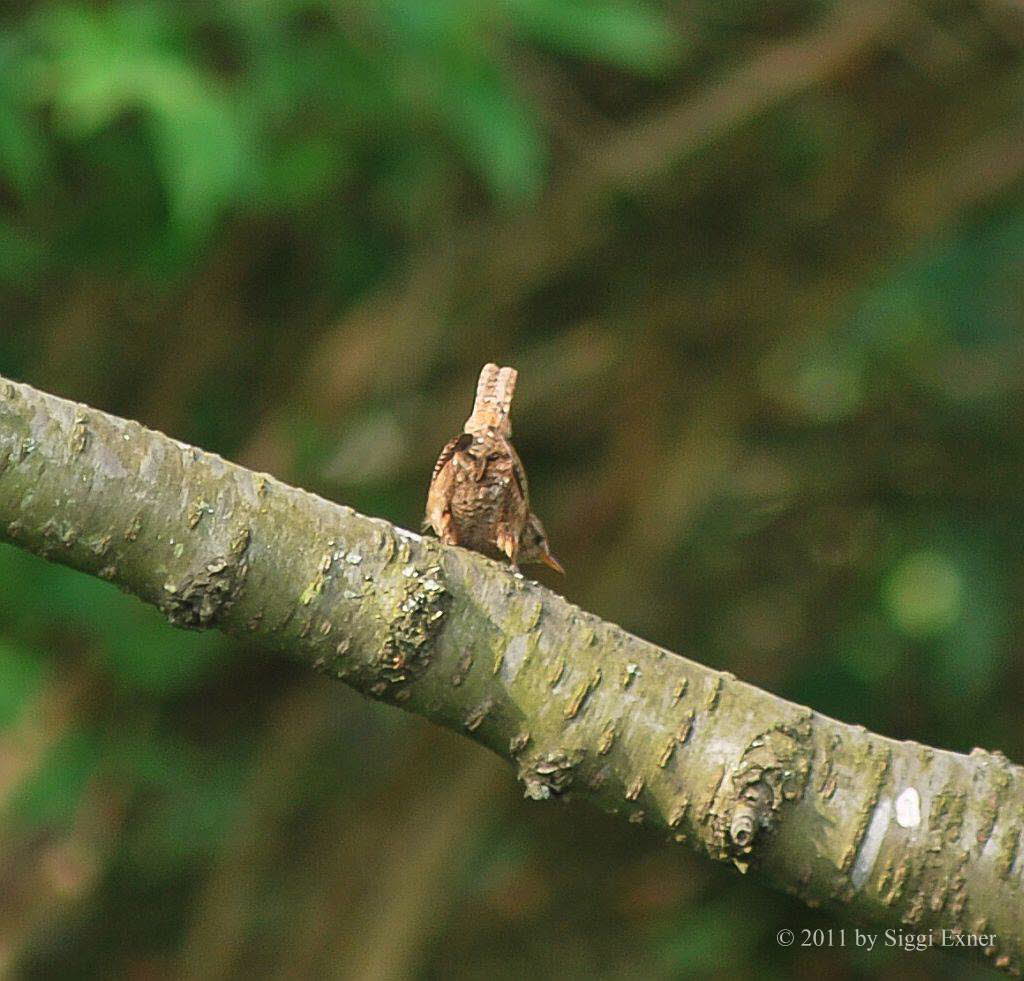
(201, 599)
(419, 617)
(316, 585)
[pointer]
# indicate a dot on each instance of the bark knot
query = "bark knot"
(420, 613)
(550, 774)
(773, 769)
(201, 599)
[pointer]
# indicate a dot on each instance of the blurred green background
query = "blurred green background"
(761, 269)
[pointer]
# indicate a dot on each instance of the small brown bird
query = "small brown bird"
(478, 495)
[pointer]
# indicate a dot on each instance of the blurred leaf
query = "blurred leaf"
(623, 34)
(870, 649)
(192, 798)
(21, 674)
(109, 61)
(977, 646)
(133, 641)
(924, 593)
(22, 255)
(203, 149)
(949, 315)
(298, 172)
(50, 795)
(147, 653)
(497, 132)
(711, 941)
(23, 151)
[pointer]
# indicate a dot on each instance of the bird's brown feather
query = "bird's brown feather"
(479, 496)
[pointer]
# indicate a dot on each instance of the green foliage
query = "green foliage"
(194, 799)
(21, 676)
(769, 407)
(51, 796)
(268, 106)
(129, 638)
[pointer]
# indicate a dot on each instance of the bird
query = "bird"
(478, 496)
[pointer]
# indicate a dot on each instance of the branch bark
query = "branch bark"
(901, 835)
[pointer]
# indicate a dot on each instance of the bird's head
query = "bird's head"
(533, 545)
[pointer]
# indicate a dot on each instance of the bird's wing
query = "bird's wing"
(439, 496)
(452, 447)
(515, 505)
(519, 476)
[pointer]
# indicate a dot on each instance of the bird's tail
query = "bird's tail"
(493, 400)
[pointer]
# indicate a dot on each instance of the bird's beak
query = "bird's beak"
(551, 562)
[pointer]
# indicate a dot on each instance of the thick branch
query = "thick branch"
(903, 835)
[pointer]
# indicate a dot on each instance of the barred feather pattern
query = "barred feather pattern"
(478, 495)
(493, 403)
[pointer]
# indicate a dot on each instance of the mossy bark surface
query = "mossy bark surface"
(901, 835)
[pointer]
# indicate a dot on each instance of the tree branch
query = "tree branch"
(902, 835)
